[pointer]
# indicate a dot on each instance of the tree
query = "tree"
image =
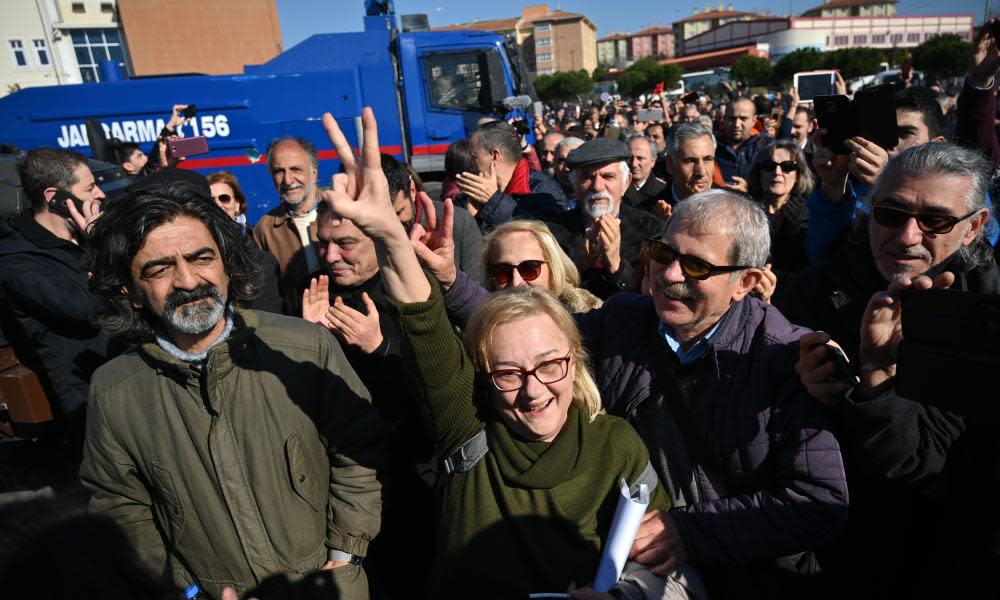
(942, 56)
(600, 73)
(752, 70)
(803, 59)
(563, 86)
(644, 74)
(854, 62)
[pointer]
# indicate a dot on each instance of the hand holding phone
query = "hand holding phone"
(59, 204)
(184, 147)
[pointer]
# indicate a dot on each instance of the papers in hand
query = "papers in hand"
(625, 525)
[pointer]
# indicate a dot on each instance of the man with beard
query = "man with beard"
(288, 231)
(603, 235)
(927, 217)
(232, 445)
(547, 151)
(739, 144)
(561, 170)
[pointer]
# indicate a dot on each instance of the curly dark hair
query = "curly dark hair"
(119, 234)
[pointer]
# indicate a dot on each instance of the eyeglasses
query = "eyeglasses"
(692, 266)
(549, 371)
(786, 166)
(503, 273)
(223, 198)
(890, 216)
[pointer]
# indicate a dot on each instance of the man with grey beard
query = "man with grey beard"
(245, 431)
(288, 231)
(603, 235)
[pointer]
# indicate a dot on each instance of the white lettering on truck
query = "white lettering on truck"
(144, 130)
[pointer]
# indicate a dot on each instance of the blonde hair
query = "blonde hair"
(565, 278)
(514, 304)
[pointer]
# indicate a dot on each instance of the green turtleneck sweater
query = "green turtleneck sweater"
(529, 516)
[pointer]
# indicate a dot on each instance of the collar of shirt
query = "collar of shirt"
(699, 349)
(639, 184)
(164, 341)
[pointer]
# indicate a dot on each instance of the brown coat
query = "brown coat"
(276, 233)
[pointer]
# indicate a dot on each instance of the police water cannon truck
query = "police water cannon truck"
(427, 88)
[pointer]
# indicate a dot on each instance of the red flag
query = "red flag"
(658, 89)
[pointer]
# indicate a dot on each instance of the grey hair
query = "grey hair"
(946, 158)
(653, 150)
(724, 212)
(569, 142)
(303, 143)
(685, 132)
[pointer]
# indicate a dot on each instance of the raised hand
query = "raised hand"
(354, 327)
(610, 237)
(479, 188)
(985, 56)
(316, 301)
(866, 160)
(435, 244)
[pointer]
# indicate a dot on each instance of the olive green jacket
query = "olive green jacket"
(252, 465)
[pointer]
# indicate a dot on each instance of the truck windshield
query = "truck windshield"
(454, 80)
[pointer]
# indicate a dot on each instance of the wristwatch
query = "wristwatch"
(334, 555)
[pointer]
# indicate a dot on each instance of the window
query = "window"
(860, 40)
(840, 40)
(78, 7)
(18, 54)
(542, 27)
(896, 38)
(543, 43)
(107, 7)
(41, 53)
(454, 79)
(928, 36)
(93, 46)
(878, 39)
(546, 57)
(913, 37)
(965, 35)
(546, 71)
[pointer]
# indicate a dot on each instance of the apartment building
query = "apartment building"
(853, 8)
(703, 21)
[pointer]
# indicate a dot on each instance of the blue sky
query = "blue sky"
(302, 18)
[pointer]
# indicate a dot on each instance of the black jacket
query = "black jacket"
(546, 200)
(645, 198)
(788, 235)
(46, 310)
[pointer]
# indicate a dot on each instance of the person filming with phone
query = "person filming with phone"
(46, 308)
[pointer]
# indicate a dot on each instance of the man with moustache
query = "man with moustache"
(547, 151)
(603, 235)
(705, 373)
(288, 231)
(232, 446)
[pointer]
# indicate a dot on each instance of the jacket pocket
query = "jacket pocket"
(304, 474)
(169, 500)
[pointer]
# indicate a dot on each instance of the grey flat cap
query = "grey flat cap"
(598, 152)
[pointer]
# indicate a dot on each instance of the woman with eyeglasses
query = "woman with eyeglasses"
(532, 468)
(781, 181)
(229, 196)
(525, 253)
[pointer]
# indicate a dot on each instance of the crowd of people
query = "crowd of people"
(373, 393)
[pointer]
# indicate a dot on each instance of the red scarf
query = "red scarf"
(518, 183)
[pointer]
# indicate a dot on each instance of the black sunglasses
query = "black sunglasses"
(891, 216)
(503, 273)
(787, 166)
(692, 266)
(223, 198)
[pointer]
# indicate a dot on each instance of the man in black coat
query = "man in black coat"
(645, 189)
(46, 305)
(927, 217)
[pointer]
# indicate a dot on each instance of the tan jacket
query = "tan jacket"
(253, 465)
(276, 233)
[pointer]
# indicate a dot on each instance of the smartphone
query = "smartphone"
(190, 111)
(60, 199)
(834, 115)
(650, 114)
(690, 97)
(182, 147)
(815, 83)
(874, 111)
(950, 340)
(842, 368)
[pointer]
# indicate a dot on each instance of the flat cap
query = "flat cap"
(598, 152)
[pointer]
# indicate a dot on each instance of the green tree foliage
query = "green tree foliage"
(600, 73)
(942, 56)
(643, 75)
(803, 59)
(563, 86)
(854, 62)
(752, 70)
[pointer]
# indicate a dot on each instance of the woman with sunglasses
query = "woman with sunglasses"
(525, 253)
(229, 196)
(781, 181)
(532, 468)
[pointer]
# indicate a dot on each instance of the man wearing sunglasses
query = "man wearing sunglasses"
(927, 217)
(706, 375)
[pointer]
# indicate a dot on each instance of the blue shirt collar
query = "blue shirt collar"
(699, 349)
